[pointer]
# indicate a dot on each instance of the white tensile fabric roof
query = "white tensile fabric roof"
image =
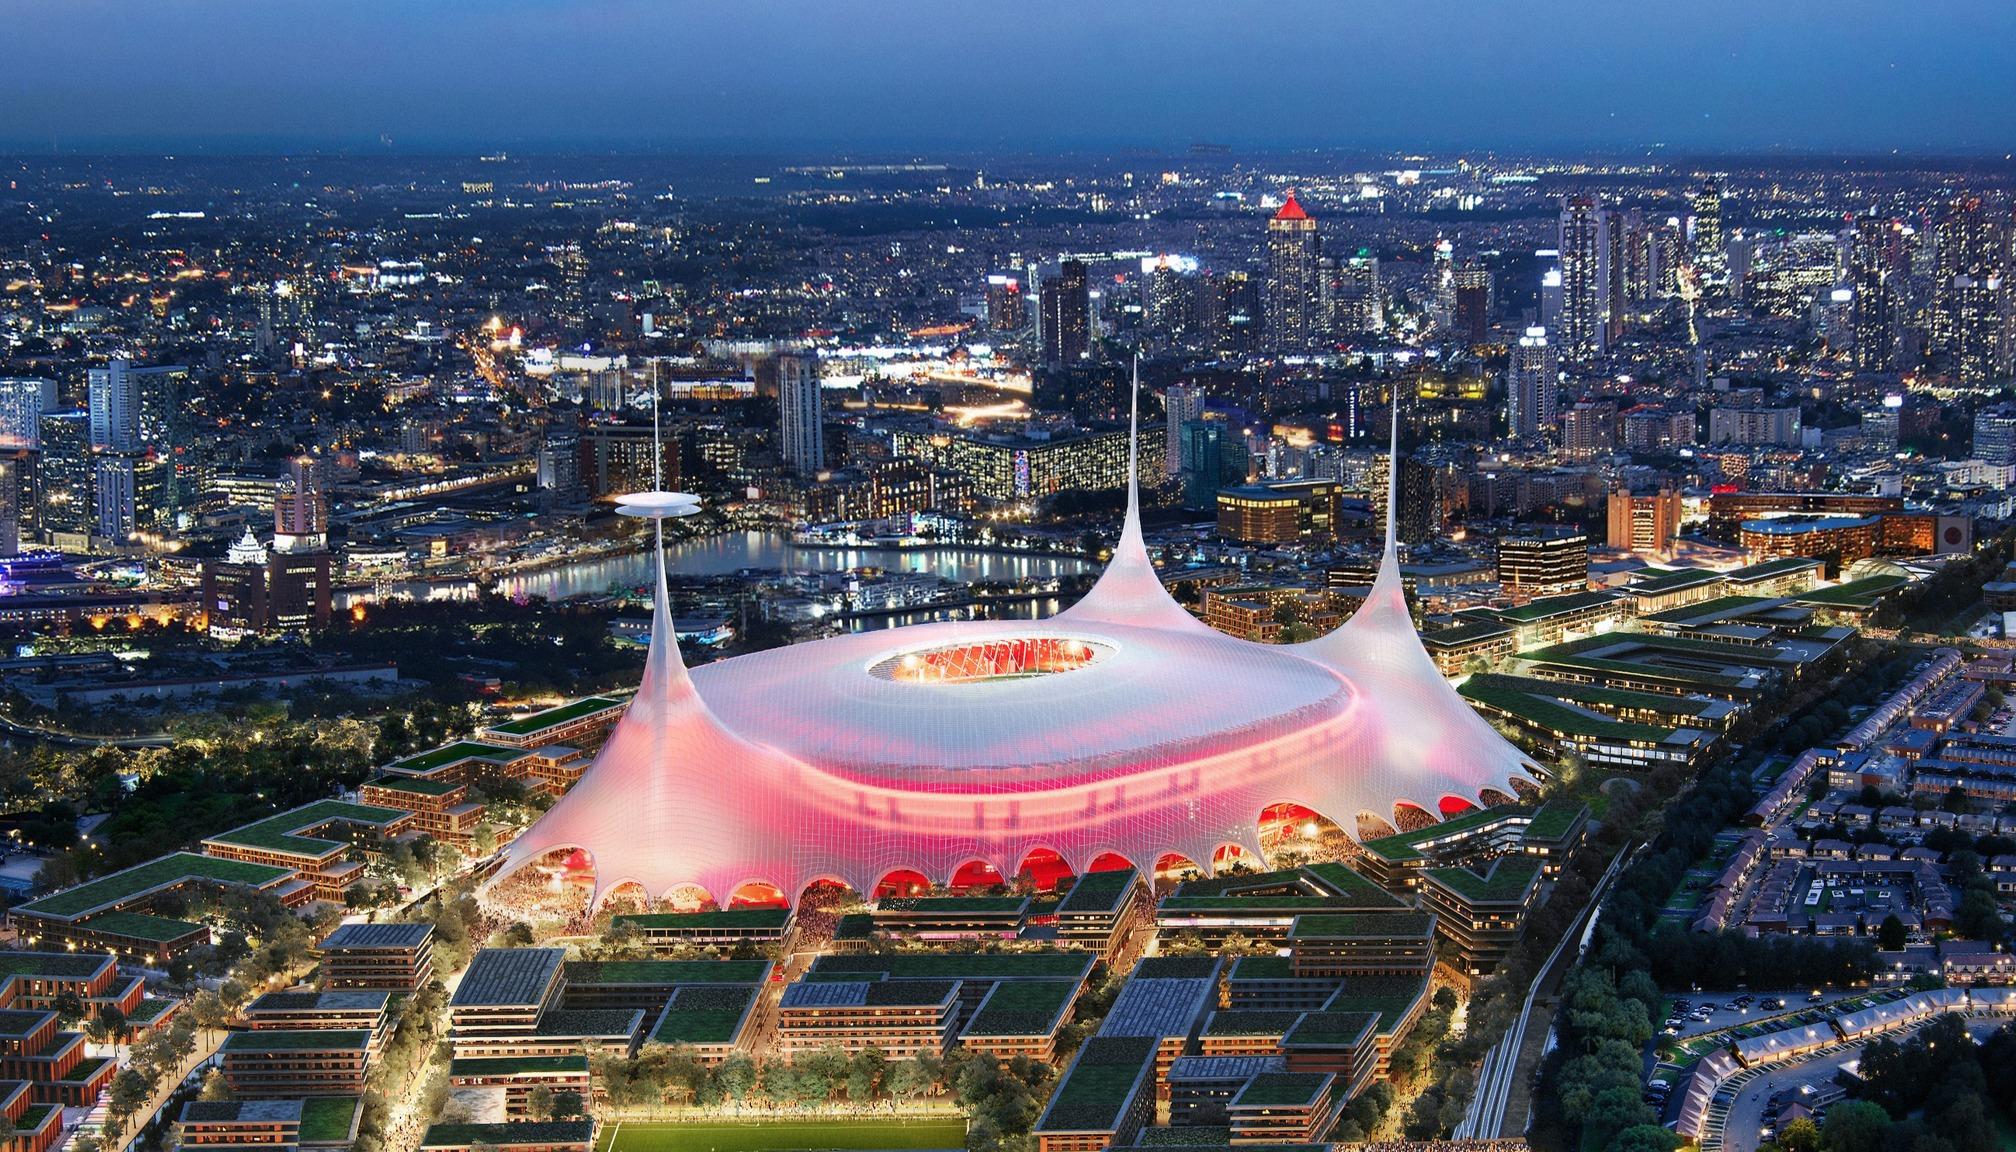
(800, 764)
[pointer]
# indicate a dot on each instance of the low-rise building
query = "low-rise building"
(393, 957)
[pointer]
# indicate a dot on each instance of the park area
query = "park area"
(781, 1135)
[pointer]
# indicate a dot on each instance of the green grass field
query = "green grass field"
(782, 1135)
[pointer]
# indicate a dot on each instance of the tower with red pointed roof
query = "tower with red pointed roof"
(1294, 278)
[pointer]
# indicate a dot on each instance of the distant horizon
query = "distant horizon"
(1860, 77)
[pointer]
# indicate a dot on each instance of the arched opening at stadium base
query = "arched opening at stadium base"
(626, 897)
(1529, 792)
(1372, 826)
(1043, 870)
(1494, 798)
(757, 894)
(1453, 806)
(1233, 860)
(1173, 868)
(820, 905)
(550, 889)
(975, 876)
(1293, 834)
(902, 882)
(689, 898)
(1412, 817)
(1109, 862)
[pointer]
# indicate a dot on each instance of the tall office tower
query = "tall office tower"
(137, 408)
(301, 508)
(1584, 287)
(126, 490)
(1236, 312)
(573, 265)
(1644, 523)
(1709, 255)
(1971, 291)
(1007, 311)
(1631, 244)
(1875, 253)
(13, 466)
(64, 476)
(1663, 260)
(22, 402)
(801, 414)
(1532, 385)
(1214, 456)
(1470, 303)
(1355, 304)
(559, 465)
(1294, 258)
(1171, 299)
(1551, 302)
(1442, 278)
(1419, 513)
(1182, 403)
(1067, 315)
(1543, 560)
(1995, 435)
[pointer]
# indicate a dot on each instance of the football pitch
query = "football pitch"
(838, 1133)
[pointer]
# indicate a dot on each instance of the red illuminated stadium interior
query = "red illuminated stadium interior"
(993, 660)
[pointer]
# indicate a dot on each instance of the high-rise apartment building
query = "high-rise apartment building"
(65, 477)
(1585, 289)
(1470, 303)
(1710, 255)
(1182, 403)
(1067, 315)
(1589, 428)
(23, 400)
(1007, 307)
(1995, 435)
(1874, 259)
(1971, 297)
(801, 414)
(1294, 259)
(1532, 385)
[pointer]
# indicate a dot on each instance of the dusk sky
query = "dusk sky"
(1845, 75)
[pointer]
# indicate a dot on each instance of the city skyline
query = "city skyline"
(547, 74)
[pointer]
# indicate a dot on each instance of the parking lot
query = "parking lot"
(1683, 1035)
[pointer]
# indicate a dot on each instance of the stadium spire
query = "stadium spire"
(1129, 591)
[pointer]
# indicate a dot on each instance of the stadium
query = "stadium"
(1122, 728)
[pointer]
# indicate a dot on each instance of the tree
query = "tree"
(567, 1105)
(1855, 1126)
(129, 1091)
(1645, 1138)
(69, 1008)
(214, 1086)
(1890, 937)
(1801, 1135)
(539, 1103)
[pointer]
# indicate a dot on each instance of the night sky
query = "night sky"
(868, 75)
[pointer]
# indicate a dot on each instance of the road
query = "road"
(1502, 1066)
(73, 740)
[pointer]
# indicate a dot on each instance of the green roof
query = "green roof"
(140, 879)
(1765, 569)
(1099, 891)
(282, 833)
(1390, 996)
(298, 1039)
(1022, 1008)
(1854, 594)
(566, 1022)
(951, 905)
(1508, 879)
(1360, 925)
(413, 784)
(1263, 968)
(422, 762)
(1056, 964)
(85, 1069)
(551, 717)
(1719, 606)
(150, 1009)
(1349, 883)
(327, 1119)
(505, 1135)
(1667, 579)
(61, 965)
(1175, 968)
(1326, 1029)
(1556, 717)
(1600, 698)
(1249, 1022)
(517, 1065)
(1459, 634)
(1096, 1088)
(1403, 845)
(1555, 605)
(743, 918)
(18, 1022)
(1282, 1089)
(666, 971)
(140, 926)
(704, 1015)
(1554, 818)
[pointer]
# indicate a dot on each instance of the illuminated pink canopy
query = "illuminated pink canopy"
(1121, 725)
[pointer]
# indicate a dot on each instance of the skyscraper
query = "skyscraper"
(1294, 258)
(1971, 291)
(1470, 309)
(1709, 255)
(1644, 523)
(1354, 304)
(1067, 315)
(801, 413)
(1874, 253)
(114, 395)
(1584, 285)
(1182, 404)
(22, 402)
(300, 510)
(1007, 311)
(65, 476)
(1532, 385)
